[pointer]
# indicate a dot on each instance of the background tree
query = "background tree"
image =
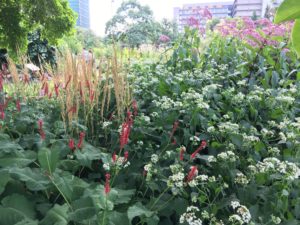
(134, 21)
(53, 18)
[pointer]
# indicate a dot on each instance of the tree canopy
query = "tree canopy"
(54, 18)
(134, 21)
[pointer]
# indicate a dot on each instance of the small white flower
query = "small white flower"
(235, 204)
(154, 158)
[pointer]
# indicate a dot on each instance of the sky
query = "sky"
(102, 10)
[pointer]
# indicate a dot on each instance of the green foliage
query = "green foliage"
(19, 17)
(244, 103)
(132, 20)
(39, 52)
(82, 38)
(290, 10)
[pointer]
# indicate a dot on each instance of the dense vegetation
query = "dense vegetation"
(208, 132)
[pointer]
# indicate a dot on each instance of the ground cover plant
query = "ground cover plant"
(208, 136)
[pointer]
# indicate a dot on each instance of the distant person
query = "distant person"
(90, 57)
(85, 55)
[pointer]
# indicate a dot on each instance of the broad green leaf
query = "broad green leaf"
(58, 215)
(101, 201)
(5, 178)
(9, 146)
(16, 209)
(27, 222)
(34, 179)
(19, 159)
(116, 218)
(10, 216)
(118, 196)
(83, 210)
(48, 159)
(87, 154)
(19, 203)
(138, 210)
(64, 184)
(296, 36)
(288, 10)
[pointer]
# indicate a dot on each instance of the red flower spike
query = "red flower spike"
(124, 135)
(40, 124)
(1, 83)
(18, 105)
(202, 146)
(135, 107)
(2, 115)
(192, 174)
(42, 134)
(126, 154)
(81, 138)
(68, 81)
(56, 89)
(182, 151)
(174, 142)
(175, 126)
(114, 157)
(107, 185)
(72, 144)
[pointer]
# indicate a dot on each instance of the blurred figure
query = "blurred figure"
(85, 55)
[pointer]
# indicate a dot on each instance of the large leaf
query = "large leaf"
(5, 178)
(48, 159)
(87, 154)
(83, 210)
(35, 181)
(288, 10)
(56, 216)
(9, 146)
(116, 218)
(20, 203)
(296, 36)
(118, 196)
(69, 185)
(138, 210)
(16, 209)
(19, 159)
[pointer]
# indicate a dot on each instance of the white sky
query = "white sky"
(102, 10)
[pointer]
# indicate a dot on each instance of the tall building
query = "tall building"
(197, 12)
(248, 7)
(82, 8)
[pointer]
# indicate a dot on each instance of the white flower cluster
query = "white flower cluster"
(248, 139)
(241, 179)
(285, 99)
(227, 156)
(164, 103)
(266, 133)
(273, 165)
(210, 89)
(154, 158)
(275, 220)
(190, 216)
(177, 179)
(193, 97)
(238, 98)
(273, 151)
(106, 124)
(228, 127)
(243, 214)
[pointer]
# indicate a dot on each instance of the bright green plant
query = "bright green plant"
(287, 11)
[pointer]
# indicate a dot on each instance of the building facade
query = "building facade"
(82, 8)
(250, 7)
(200, 11)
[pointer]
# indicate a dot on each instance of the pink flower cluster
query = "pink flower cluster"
(257, 33)
(164, 38)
